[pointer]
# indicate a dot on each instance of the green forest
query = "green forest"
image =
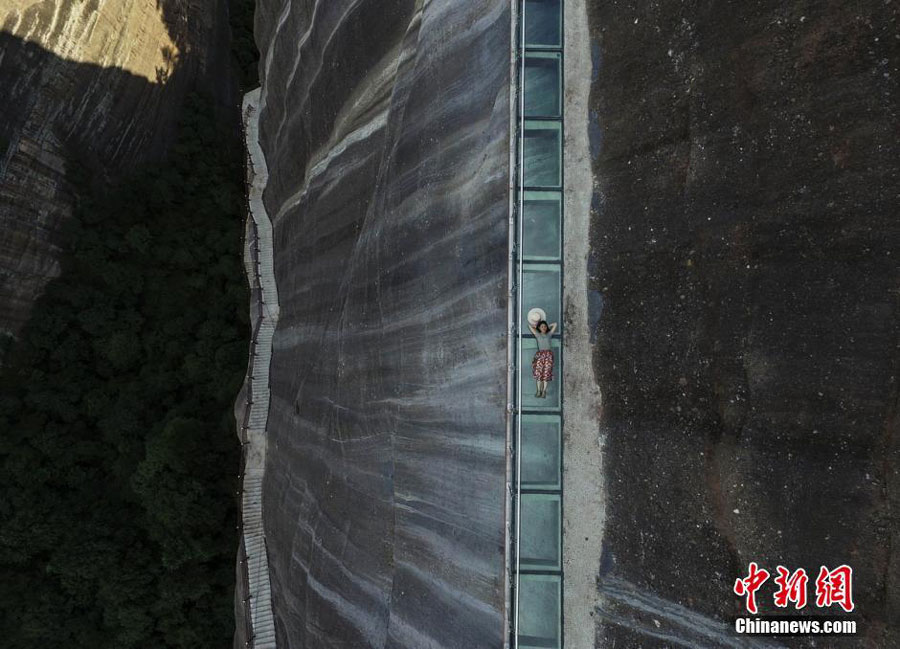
(118, 447)
(244, 52)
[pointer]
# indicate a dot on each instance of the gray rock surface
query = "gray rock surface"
(744, 240)
(93, 86)
(385, 126)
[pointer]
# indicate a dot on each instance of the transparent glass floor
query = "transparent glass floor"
(541, 287)
(539, 611)
(541, 466)
(541, 226)
(542, 91)
(543, 23)
(539, 532)
(543, 153)
(538, 596)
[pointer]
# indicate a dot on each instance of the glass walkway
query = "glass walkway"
(538, 578)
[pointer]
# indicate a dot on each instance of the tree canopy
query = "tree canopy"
(117, 443)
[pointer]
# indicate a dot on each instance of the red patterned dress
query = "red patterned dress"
(542, 365)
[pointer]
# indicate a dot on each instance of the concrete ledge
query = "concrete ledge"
(256, 598)
(583, 479)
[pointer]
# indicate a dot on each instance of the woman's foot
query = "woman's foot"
(537, 395)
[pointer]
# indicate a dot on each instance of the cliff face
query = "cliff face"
(90, 86)
(744, 234)
(385, 126)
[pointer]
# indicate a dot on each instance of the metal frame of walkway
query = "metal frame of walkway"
(537, 249)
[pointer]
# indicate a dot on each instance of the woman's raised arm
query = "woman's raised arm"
(552, 328)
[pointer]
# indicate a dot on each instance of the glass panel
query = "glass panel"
(540, 452)
(542, 154)
(540, 288)
(543, 26)
(542, 85)
(539, 611)
(541, 225)
(529, 401)
(539, 532)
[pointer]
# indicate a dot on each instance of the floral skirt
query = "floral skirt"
(542, 365)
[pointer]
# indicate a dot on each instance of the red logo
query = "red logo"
(748, 586)
(791, 587)
(832, 587)
(835, 587)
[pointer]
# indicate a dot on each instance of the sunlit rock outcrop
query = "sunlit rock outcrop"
(134, 38)
(385, 127)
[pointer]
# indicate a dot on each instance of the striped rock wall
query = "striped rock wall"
(385, 126)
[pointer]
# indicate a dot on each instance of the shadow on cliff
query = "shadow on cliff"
(58, 115)
(119, 448)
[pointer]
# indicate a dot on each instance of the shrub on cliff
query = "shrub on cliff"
(243, 46)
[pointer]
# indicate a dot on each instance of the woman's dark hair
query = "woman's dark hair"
(538, 326)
